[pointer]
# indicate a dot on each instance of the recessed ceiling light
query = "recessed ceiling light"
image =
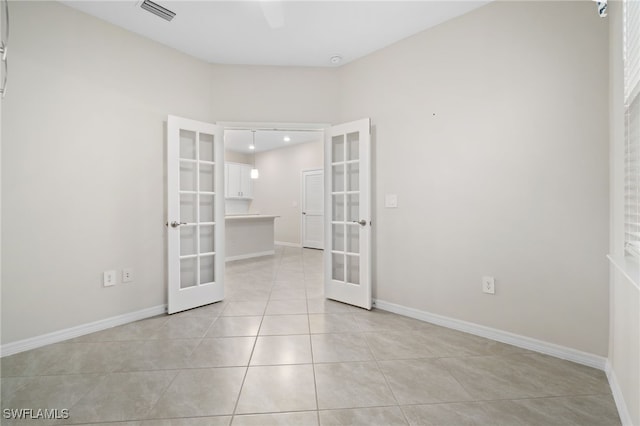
(335, 59)
(287, 139)
(252, 146)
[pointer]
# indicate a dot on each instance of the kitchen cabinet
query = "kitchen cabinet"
(238, 184)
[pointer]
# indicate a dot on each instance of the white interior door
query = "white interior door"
(348, 213)
(313, 209)
(195, 197)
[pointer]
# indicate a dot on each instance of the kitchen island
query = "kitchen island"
(249, 235)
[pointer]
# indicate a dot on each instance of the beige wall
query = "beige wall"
(624, 318)
(83, 158)
(278, 188)
(83, 174)
(237, 157)
(492, 131)
(274, 94)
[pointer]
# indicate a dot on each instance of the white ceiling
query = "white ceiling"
(266, 140)
(238, 32)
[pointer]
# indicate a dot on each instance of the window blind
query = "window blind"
(631, 12)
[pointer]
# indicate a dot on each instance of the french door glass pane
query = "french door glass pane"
(206, 269)
(353, 269)
(338, 237)
(187, 176)
(353, 176)
(353, 238)
(206, 208)
(338, 208)
(188, 242)
(187, 144)
(338, 177)
(206, 147)
(353, 207)
(337, 148)
(353, 140)
(206, 239)
(337, 264)
(206, 177)
(188, 208)
(188, 272)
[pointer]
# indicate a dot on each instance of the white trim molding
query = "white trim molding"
(621, 405)
(535, 345)
(287, 244)
(79, 330)
(250, 255)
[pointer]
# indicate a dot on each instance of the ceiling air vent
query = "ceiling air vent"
(157, 10)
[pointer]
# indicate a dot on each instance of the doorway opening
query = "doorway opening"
(221, 211)
(266, 213)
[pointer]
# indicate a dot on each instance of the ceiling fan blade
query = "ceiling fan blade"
(273, 11)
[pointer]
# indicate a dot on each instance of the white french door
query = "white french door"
(313, 209)
(195, 210)
(348, 213)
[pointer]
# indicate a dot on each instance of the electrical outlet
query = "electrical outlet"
(488, 285)
(109, 278)
(127, 275)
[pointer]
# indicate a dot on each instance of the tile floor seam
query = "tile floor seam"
(255, 342)
(257, 413)
(196, 346)
(91, 388)
(246, 371)
(459, 382)
(313, 364)
(359, 408)
(386, 381)
(97, 383)
(541, 397)
(161, 394)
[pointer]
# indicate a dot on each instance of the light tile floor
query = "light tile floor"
(275, 352)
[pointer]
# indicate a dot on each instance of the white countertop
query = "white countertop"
(250, 216)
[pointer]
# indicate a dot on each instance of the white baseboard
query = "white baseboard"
(249, 255)
(536, 345)
(621, 405)
(286, 244)
(79, 330)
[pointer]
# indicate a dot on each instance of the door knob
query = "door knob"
(304, 212)
(362, 222)
(175, 224)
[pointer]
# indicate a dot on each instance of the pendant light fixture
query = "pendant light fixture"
(254, 172)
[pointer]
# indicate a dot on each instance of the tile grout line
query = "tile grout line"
(313, 363)
(386, 381)
(255, 342)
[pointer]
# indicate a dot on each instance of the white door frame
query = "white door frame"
(269, 125)
(302, 204)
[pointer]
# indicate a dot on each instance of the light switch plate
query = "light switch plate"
(391, 201)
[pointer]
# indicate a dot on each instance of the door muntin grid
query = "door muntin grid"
(197, 201)
(345, 214)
